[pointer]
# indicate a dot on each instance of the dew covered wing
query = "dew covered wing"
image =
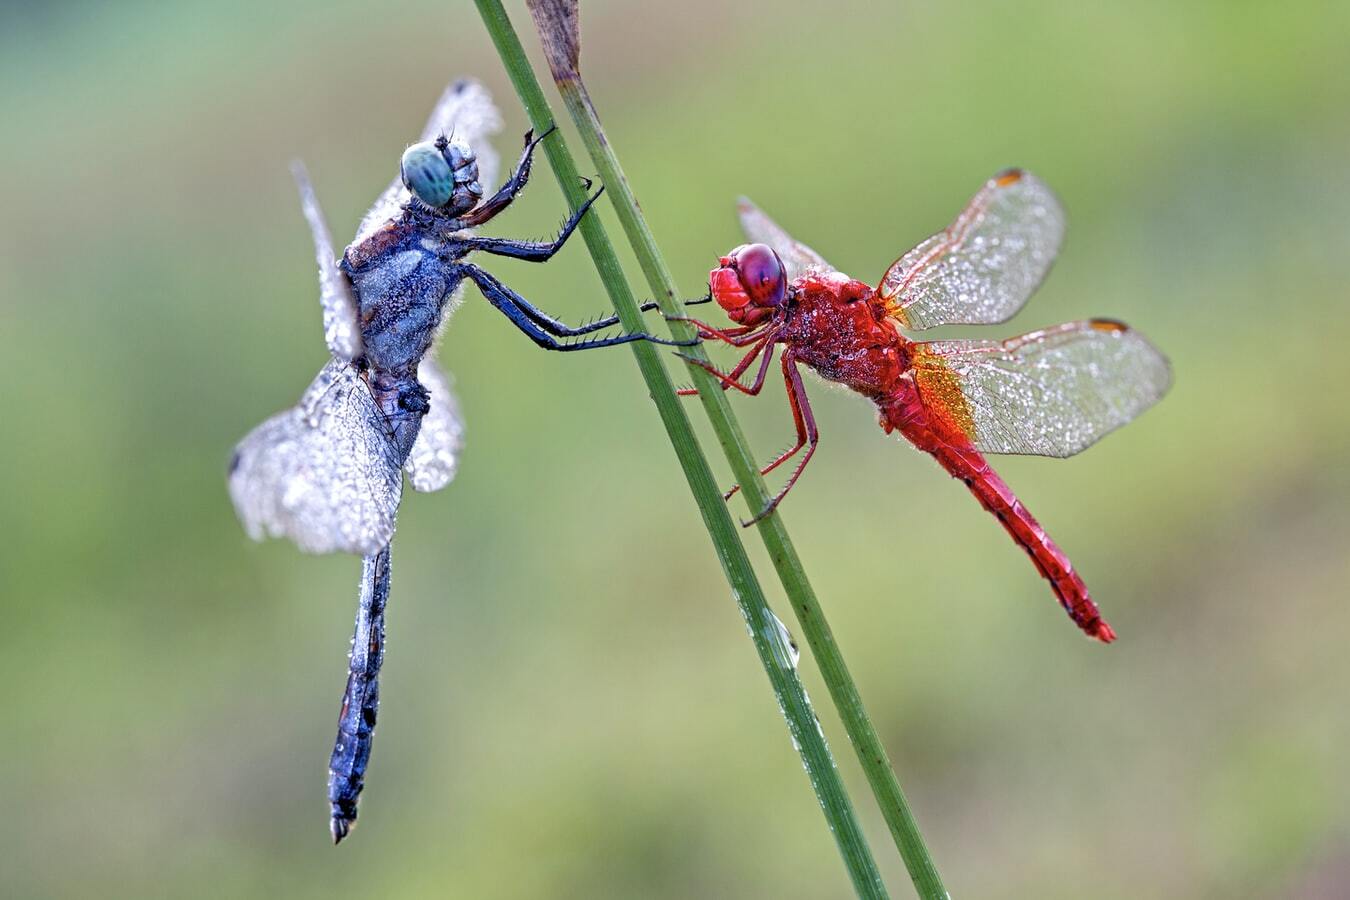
(435, 454)
(1048, 393)
(325, 473)
(341, 327)
(982, 268)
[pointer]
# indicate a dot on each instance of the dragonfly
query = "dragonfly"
(328, 473)
(1052, 392)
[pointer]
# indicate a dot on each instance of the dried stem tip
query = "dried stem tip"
(557, 23)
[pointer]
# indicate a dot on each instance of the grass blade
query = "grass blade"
(769, 638)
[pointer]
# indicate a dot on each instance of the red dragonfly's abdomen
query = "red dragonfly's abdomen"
(905, 413)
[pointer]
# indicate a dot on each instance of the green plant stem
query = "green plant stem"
(770, 640)
(562, 51)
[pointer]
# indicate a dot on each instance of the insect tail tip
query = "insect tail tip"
(1103, 632)
(341, 827)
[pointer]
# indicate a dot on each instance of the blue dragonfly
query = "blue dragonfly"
(328, 473)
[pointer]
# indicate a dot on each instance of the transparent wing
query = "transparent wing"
(324, 474)
(760, 229)
(983, 267)
(1048, 393)
(435, 454)
(341, 327)
(465, 111)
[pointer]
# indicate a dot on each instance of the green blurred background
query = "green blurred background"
(571, 707)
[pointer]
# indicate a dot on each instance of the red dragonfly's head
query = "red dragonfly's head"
(750, 284)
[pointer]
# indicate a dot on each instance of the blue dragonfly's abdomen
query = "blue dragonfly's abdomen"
(361, 699)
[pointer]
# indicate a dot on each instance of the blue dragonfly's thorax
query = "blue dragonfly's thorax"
(402, 276)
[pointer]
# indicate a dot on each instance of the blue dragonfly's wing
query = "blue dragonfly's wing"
(341, 328)
(324, 474)
(465, 111)
(435, 454)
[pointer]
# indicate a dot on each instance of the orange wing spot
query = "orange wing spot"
(894, 310)
(940, 390)
(1008, 176)
(1111, 326)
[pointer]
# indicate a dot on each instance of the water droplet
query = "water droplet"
(780, 639)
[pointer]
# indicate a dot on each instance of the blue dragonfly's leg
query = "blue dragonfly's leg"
(542, 328)
(541, 251)
(530, 251)
(361, 699)
(513, 186)
(554, 327)
(561, 329)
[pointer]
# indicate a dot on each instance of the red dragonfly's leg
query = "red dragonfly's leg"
(807, 436)
(731, 379)
(741, 336)
(970, 467)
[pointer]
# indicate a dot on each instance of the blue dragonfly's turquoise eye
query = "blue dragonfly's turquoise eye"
(427, 174)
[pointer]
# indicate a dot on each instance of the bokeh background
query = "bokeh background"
(571, 707)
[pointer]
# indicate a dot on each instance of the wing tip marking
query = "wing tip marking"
(1110, 326)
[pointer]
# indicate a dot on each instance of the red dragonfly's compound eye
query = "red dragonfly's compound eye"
(761, 273)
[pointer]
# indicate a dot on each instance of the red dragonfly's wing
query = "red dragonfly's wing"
(1048, 393)
(760, 229)
(983, 266)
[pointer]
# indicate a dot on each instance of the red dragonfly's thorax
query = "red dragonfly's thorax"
(839, 328)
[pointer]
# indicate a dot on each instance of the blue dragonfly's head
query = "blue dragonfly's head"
(443, 174)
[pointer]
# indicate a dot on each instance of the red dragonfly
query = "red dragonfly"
(1048, 393)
